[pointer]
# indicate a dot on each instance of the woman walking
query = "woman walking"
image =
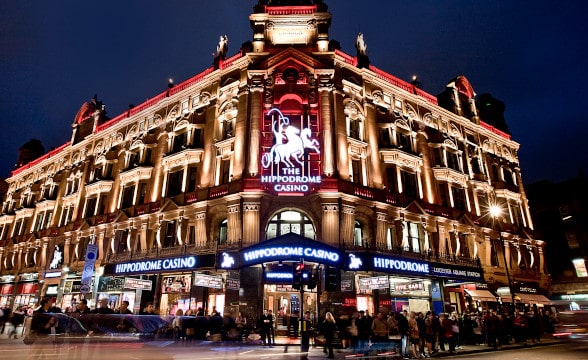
(329, 329)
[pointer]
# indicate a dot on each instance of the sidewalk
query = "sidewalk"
(546, 340)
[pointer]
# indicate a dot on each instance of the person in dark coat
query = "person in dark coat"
(329, 329)
(364, 330)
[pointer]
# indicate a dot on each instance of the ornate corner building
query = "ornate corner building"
(214, 192)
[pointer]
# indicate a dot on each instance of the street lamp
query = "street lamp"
(496, 212)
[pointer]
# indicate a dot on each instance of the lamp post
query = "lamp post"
(496, 212)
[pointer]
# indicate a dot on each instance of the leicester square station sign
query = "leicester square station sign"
(292, 163)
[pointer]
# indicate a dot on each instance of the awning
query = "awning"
(533, 299)
(481, 295)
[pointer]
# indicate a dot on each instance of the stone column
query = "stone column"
(103, 245)
(251, 221)
(330, 223)
(255, 114)
(541, 259)
(371, 137)
(325, 88)
(427, 172)
(381, 230)
(347, 224)
(488, 248)
(241, 134)
(234, 224)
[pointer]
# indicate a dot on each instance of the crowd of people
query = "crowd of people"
(419, 335)
(412, 334)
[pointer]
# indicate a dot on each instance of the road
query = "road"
(161, 350)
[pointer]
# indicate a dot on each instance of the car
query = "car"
(572, 325)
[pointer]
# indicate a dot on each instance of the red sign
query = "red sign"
(27, 289)
(7, 289)
(290, 161)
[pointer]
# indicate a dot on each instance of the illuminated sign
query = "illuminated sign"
(188, 262)
(386, 263)
(374, 283)
(292, 163)
(131, 283)
(409, 286)
(279, 276)
(355, 262)
(277, 252)
(228, 261)
(53, 274)
(456, 272)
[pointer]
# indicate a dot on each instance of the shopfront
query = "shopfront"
(26, 290)
(6, 290)
(270, 267)
(167, 282)
(394, 283)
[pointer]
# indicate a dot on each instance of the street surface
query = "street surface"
(168, 350)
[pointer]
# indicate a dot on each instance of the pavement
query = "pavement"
(291, 348)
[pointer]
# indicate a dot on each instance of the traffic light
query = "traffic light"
(331, 278)
(298, 278)
(312, 279)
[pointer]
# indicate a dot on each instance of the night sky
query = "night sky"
(532, 55)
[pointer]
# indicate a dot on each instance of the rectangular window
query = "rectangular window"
(404, 142)
(179, 142)
(142, 192)
(385, 140)
(91, 207)
(39, 222)
(356, 171)
(409, 184)
(120, 241)
(128, 194)
(391, 182)
(225, 171)
(192, 179)
(169, 239)
(174, 183)
(459, 199)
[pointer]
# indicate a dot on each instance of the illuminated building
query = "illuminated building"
(210, 193)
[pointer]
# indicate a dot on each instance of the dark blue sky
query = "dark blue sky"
(55, 55)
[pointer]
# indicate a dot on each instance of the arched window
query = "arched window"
(223, 232)
(358, 234)
(290, 221)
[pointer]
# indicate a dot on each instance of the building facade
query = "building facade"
(290, 158)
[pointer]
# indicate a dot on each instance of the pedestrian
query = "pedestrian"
(305, 333)
(402, 320)
(380, 331)
(329, 329)
(414, 335)
(447, 330)
(364, 330)
(16, 319)
(265, 324)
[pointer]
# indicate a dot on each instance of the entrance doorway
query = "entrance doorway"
(288, 306)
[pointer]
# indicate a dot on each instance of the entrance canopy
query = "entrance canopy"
(481, 295)
(289, 247)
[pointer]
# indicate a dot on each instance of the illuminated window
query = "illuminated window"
(290, 222)
(223, 232)
(580, 266)
(358, 234)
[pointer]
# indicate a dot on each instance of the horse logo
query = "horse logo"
(355, 262)
(293, 149)
(228, 261)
